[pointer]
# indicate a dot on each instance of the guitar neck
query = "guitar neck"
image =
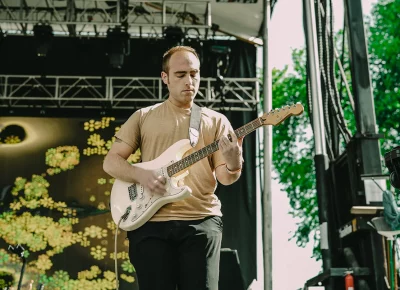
(211, 148)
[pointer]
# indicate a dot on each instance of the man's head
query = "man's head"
(181, 74)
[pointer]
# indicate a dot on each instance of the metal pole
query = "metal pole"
(315, 76)
(118, 20)
(320, 158)
(267, 206)
(366, 140)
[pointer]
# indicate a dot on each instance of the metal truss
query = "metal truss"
(94, 17)
(25, 91)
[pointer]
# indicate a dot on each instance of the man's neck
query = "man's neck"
(180, 105)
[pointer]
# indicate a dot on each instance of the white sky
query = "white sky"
(292, 266)
(286, 30)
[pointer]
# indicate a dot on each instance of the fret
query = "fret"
(248, 129)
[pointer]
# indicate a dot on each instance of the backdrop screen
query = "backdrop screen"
(54, 202)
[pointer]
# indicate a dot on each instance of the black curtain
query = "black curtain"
(239, 199)
(87, 57)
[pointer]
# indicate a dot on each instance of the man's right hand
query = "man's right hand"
(152, 181)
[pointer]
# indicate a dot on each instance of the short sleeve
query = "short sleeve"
(130, 131)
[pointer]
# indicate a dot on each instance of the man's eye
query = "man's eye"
(181, 76)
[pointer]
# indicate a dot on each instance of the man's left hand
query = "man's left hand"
(231, 148)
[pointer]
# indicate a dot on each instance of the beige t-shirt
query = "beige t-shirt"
(154, 129)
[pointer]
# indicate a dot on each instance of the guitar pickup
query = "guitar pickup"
(132, 192)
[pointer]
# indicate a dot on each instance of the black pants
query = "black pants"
(181, 255)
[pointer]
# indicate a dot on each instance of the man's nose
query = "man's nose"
(189, 81)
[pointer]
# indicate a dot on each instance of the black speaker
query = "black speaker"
(230, 275)
(392, 162)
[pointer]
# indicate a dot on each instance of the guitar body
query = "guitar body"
(136, 204)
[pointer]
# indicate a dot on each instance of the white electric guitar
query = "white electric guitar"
(132, 205)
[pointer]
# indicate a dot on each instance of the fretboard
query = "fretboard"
(210, 149)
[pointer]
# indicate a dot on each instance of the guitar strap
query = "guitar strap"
(194, 128)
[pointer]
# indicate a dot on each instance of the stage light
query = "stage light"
(44, 38)
(118, 46)
(174, 35)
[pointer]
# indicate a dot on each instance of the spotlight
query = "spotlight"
(118, 46)
(44, 38)
(392, 161)
(174, 35)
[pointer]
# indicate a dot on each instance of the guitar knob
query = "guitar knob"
(139, 206)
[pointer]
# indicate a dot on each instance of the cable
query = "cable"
(335, 96)
(325, 87)
(124, 216)
(328, 82)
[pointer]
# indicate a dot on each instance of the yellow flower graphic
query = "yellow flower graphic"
(110, 276)
(95, 232)
(85, 242)
(15, 205)
(98, 252)
(101, 206)
(44, 263)
(101, 181)
(63, 157)
(47, 202)
(12, 140)
(127, 278)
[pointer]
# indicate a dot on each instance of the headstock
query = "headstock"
(275, 117)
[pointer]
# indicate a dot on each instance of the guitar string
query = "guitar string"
(204, 152)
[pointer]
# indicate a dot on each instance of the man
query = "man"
(179, 247)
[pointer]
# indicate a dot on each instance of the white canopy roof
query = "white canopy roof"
(85, 17)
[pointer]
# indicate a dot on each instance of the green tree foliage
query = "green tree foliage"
(6, 279)
(384, 48)
(294, 163)
(293, 142)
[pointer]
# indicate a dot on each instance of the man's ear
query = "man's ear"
(164, 77)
